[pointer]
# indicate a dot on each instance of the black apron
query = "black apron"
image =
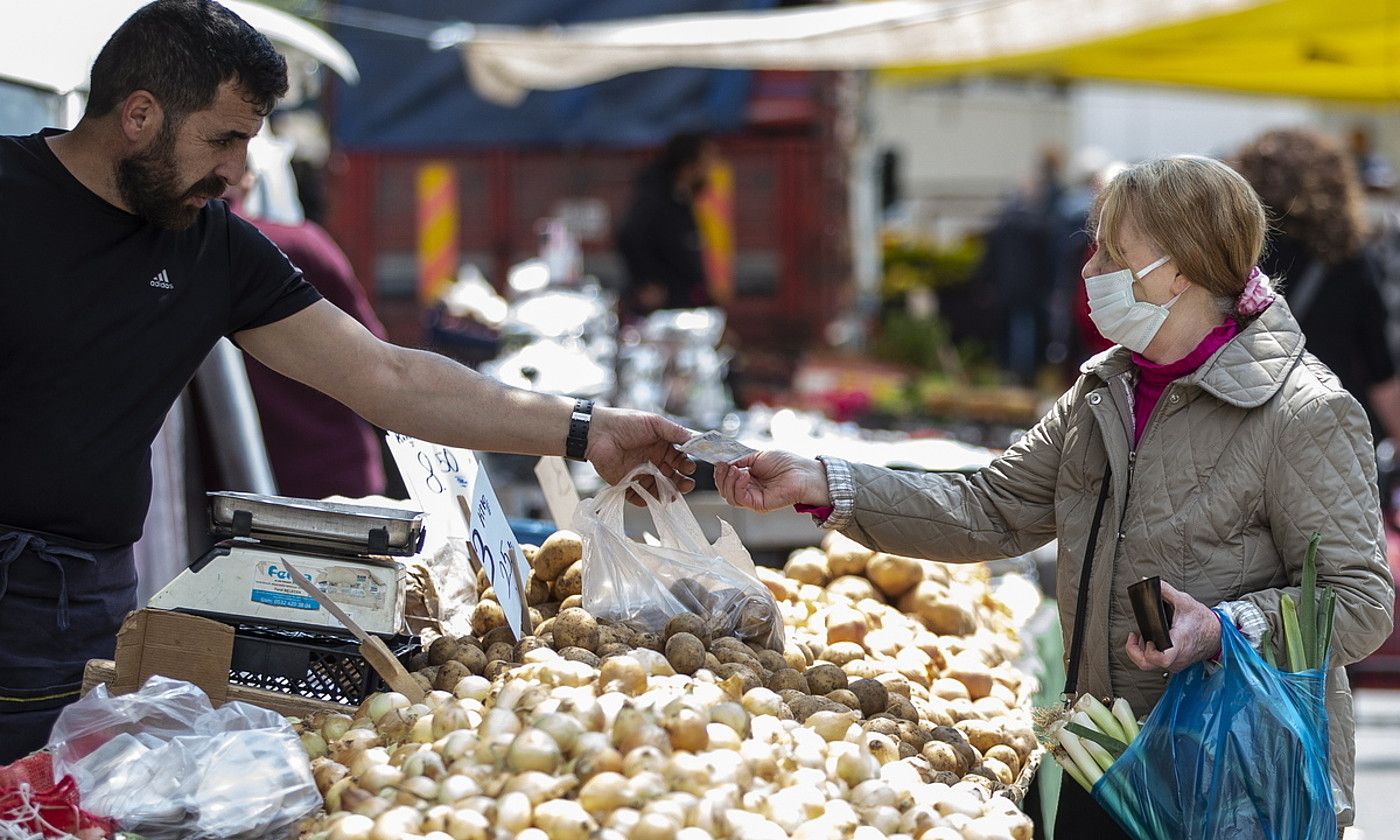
(61, 604)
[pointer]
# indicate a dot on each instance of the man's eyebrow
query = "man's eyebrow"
(234, 134)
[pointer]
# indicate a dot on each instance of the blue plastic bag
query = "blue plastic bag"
(1236, 754)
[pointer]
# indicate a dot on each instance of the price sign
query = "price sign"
(452, 488)
(560, 494)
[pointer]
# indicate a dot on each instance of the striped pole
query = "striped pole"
(437, 230)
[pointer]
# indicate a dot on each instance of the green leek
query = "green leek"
(1292, 635)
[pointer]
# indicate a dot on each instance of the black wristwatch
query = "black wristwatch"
(576, 444)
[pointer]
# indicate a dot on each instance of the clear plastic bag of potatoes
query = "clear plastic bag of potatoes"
(645, 585)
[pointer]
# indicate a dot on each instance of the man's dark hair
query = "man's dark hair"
(180, 51)
(681, 151)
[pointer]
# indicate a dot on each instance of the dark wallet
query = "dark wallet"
(1154, 616)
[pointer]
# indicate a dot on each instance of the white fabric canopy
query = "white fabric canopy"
(504, 63)
(51, 44)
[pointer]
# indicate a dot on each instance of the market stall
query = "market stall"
(851, 693)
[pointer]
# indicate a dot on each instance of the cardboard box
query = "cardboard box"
(183, 647)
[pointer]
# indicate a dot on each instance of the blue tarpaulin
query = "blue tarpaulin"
(411, 97)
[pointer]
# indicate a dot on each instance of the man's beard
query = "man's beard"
(149, 183)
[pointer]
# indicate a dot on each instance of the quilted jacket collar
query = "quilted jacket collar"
(1246, 372)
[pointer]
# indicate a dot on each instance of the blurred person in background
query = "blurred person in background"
(316, 445)
(659, 240)
(1309, 184)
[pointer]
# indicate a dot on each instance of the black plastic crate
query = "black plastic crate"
(319, 666)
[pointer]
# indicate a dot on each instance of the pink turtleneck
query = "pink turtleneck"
(1153, 378)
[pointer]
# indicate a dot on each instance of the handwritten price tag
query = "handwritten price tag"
(452, 488)
(560, 494)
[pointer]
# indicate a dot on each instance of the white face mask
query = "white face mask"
(1117, 313)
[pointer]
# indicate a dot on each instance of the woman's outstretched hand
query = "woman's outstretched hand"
(773, 479)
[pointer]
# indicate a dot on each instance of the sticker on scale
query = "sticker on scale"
(347, 585)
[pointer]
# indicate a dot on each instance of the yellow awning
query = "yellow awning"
(1326, 49)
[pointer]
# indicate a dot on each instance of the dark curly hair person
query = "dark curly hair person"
(1318, 253)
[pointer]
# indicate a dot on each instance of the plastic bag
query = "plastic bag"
(646, 585)
(164, 763)
(1239, 753)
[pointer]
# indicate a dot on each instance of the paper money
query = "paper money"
(714, 448)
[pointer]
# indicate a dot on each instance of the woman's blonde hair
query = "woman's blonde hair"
(1198, 211)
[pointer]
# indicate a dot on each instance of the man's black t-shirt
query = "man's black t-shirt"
(103, 319)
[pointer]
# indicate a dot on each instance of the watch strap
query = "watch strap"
(576, 444)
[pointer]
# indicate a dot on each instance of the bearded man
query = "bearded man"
(119, 270)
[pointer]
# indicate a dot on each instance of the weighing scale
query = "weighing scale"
(346, 551)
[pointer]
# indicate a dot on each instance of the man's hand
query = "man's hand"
(769, 480)
(1195, 636)
(620, 440)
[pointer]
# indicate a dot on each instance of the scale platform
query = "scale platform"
(345, 550)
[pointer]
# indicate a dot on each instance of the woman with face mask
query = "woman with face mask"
(1205, 447)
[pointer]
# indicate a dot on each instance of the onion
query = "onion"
(563, 819)
(648, 785)
(472, 688)
(420, 788)
(655, 827)
(422, 731)
(465, 824)
(334, 792)
(722, 737)
(456, 787)
(379, 777)
(624, 819)
(327, 773)
(366, 759)
(533, 750)
(513, 812)
(352, 827)
(379, 705)
(499, 722)
(563, 729)
(605, 793)
(686, 729)
(732, 715)
(354, 742)
(455, 745)
(334, 727)
(448, 718)
(590, 764)
(643, 759)
(426, 763)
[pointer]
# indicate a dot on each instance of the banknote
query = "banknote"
(714, 448)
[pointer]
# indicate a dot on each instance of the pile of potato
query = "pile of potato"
(891, 712)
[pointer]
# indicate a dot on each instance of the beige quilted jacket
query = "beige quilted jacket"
(1239, 464)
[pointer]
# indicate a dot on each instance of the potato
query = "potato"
(417, 661)
(845, 697)
(844, 624)
(943, 757)
(536, 590)
(1006, 755)
(686, 623)
(796, 656)
(976, 678)
(559, 552)
(549, 609)
(749, 677)
(651, 641)
(442, 649)
(842, 652)
(489, 594)
(486, 616)
(893, 575)
(950, 689)
(528, 551)
(873, 696)
(807, 565)
(449, 674)
(685, 652)
(862, 669)
(995, 770)
(574, 627)
(991, 707)
(500, 634)
(526, 645)
(981, 734)
(569, 583)
(883, 725)
(473, 657)
(853, 588)
(711, 662)
(962, 709)
(931, 603)
(772, 660)
(545, 628)
(500, 650)
(571, 602)
(896, 683)
(902, 708)
(845, 556)
(825, 678)
(578, 654)
(497, 668)
(613, 649)
(792, 695)
(785, 679)
(779, 585)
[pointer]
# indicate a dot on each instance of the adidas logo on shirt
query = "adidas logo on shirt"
(161, 281)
